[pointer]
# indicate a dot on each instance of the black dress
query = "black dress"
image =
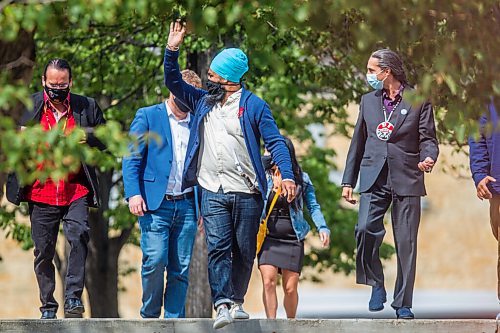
(281, 247)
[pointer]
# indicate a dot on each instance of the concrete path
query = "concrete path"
(427, 304)
(249, 326)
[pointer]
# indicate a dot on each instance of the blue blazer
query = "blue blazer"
(147, 169)
(484, 151)
(256, 121)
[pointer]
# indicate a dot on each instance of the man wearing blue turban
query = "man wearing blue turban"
(223, 158)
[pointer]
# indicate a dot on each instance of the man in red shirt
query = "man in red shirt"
(67, 199)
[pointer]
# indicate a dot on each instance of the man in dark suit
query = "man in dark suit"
(393, 144)
(51, 201)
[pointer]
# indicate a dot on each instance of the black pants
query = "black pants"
(45, 221)
(370, 231)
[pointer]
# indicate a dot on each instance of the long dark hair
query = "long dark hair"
(390, 59)
(297, 173)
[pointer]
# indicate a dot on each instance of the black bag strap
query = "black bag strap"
(90, 111)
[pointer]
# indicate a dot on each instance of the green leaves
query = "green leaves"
(13, 229)
(307, 60)
(11, 94)
(210, 16)
(301, 66)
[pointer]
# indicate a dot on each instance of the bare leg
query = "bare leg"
(269, 275)
(495, 227)
(291, 299)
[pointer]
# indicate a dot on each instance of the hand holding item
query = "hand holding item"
(347, 195)
(426, 165)
(288, 188)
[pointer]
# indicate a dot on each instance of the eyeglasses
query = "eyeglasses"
(58, 86)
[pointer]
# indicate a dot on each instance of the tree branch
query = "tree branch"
(121, 240)
(137, 88)
(117, 181)
(22, 60)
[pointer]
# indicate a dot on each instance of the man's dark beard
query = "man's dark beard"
(212, 100)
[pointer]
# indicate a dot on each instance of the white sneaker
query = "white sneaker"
(237, 312)
(223, 317)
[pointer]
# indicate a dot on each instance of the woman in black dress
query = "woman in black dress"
(283, 248)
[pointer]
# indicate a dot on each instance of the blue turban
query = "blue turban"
(230, 64)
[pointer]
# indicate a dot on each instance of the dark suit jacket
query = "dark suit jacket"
(87, 115)
(412, 140)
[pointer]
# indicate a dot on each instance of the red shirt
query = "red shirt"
(62, 192)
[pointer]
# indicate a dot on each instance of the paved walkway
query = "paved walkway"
(249, 326)
(427, 304)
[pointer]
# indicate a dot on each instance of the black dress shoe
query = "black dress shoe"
(74, 306)
(49, 314)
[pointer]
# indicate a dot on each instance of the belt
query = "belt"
(281, 211)
(170, 197)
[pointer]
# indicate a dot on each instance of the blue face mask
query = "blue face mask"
(374, 82)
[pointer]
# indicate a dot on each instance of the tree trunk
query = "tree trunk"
(17, 59)
(3, 179)
(102, 261)
(199, 302)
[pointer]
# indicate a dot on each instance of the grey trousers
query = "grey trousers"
(370, 233)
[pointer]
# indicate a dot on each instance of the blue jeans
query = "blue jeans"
(231, 224)
(167, 239)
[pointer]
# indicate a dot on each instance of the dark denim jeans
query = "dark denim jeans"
(167, 239)
(231, 224)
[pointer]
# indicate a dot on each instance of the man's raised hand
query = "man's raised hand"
(176, 35)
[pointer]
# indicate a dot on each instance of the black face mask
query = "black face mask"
(214, 88)
(215, 93)
(267, 162)
(57, 95)
(181, 105)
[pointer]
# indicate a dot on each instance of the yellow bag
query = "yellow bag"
(261, 235)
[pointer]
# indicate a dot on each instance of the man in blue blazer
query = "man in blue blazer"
(485, 167)
(224, 159)
(152, 176)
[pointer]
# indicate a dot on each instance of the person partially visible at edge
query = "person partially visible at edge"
(152, 177)
(393, 144)
(66, 200)
(283, 248)
(484, 157)
(223, 157)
